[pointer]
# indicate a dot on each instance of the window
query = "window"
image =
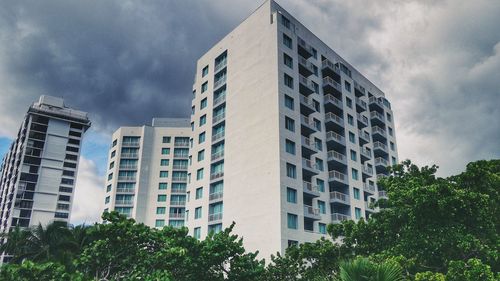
(161, 210)
(321, 207)
(347, 86)
(201, 137)
(389, 117)
(285, 21)
(291, 171)
(165, 151)
(290, 146)
(166, 139)
(163, 174)
(357, 213)
(203, 120)
(201, 155)
(197, 213)
(162, 185)
(353, 155)
(199, 192)
(111, 165)
(391, 144)
(215, 228)
(199, 174)
(287, 60)
(356, 193)
(110, 176)
(322, 228)
(164, 162)
(197, 232)
(108, 188)
(204, 72)
(159, 223)
(106, 201)
(291, 195)
(317, 124)
(319, 164)
(162, 198)
(352, 137)
(292, 243)
(289, 124)
(289, 102)
(350, 120)
(113, 153)
(203, 103)
(354, 174)
(192, 126)
(390, 131)
(317, 105)
(115, 142)
(393, 159)
(292, 221)
(204, 87)
(287, 41)
(318, 144)
(348, 102)
(288, 81)
(321, 185)
(192, 110)
(315, 53)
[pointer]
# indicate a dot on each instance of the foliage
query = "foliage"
(362, 269)
(28, 271)
(431, 221)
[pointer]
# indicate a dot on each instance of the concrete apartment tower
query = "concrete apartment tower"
(39, 170)
(287, 136)
(147, 173)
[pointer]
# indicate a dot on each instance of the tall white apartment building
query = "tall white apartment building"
(39, 171)
(147, 173)
(287, 136)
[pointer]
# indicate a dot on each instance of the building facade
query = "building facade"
(39, 171)
(287, 136)
(147, 172)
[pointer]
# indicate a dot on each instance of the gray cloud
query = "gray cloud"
(126, 61)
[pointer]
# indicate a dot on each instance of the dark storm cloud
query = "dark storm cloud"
(124, 62)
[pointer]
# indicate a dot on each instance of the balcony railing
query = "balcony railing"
(128, 166)
(308, 143)
(334, 100)
(306, 82)
(328, 81)
(338, 218)
(218, 136)
(180, 179)
(214, 217)
(378, 130)
(181, 143)
(181, 155)
(126, 178)
(306, 121)
(381, 161)
(306, 163)
(375, 114)
(217, 155)
(177, 215)
(334, 118)
(131, 144)
(218, 117)
(365, 152)
(369, 187)
(124, 202)
(180, 166)
(220, 65)
(220, 99)
(336, 175)
(129, 155)
(221, 81)
(339, 196)
(215, 176)
(178, 190)
(361, 103)
(178, 203)
(309, 187)
(306, 64)
(311, 211)
(368, 206)
(328, 64)
(368, 170)
(362, 118)
(125, 190)
(304, 49)
(332, 154)
(334, 136)
(306, 101)
(215, 195)
(375, 100)
(379, 145)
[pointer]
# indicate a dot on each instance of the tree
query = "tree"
(28, 271)
(432, 221)
(362, 269)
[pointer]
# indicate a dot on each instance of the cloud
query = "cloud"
(88, 202)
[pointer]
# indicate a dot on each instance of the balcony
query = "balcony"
(311, 212)
(180, 167)
(338, 158)
(220, 100)
(128, 167)
(367, 171)
(336, 176)
(125, 190)
(177, 215)
(331, 86)
(334, 120)
(215, 217)
(178, 203)
(216, 196)
(131, 144)
(217, 156)
(328, 68)
(305, 86)
(309, 167)
(221, 81)
(306, 68)
(307, 125)
(362, 120)
(364, 137)
(333, 104)
(216, 176)
(217, 137)
(179, 179)
(359, 90)
(378, 134)
(339, 218)
(370, 188)
(382, 194)
(217, 118)
(308, 147)
(365, 154)
(126, 178)
(378, 146)
(129, 155)
(335, 139)
(124, 202)
(339, 197)
(375, 103)
(181, 144)
(220, 65)
(369, 207)
(181, 155)
(377, 118)
(310, 189)
(178, 190)
(379, 161)
(306, 105)
(360, 105)
(304, 49)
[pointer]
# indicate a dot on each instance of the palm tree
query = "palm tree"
(14, 243)
(361, 269)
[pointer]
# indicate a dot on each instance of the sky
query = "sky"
(125, 62)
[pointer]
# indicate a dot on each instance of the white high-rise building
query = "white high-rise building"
(39, 171)
(287, 136)
(147, 173)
